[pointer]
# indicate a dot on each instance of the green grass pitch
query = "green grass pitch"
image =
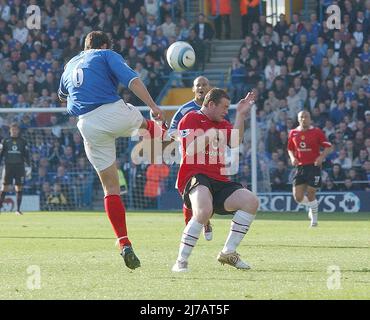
(76, 257)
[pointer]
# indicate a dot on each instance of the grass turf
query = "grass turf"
(77, 258)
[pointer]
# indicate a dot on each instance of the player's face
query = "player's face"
(200, 88)
(14, 132)
(220, 110)
(304, 120)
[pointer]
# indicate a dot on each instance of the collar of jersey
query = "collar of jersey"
(299, 128)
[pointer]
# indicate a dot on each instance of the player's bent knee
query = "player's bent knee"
(298, 197)
(311, 195)
(203, 214)
(249, 202)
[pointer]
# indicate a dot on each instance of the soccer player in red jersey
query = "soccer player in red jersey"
(304, 145)
(200, 88)
(202, 180)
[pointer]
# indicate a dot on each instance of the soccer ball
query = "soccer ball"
(180, 56)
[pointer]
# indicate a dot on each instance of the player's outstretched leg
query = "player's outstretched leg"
(116, 213)
(245, 203)
(130, 258)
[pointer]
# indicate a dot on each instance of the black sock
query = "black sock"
(19, 200)
(2, 197)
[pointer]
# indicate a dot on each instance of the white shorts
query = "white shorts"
(100, 128)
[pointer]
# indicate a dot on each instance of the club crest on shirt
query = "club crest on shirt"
(303, 137)
(184, 133)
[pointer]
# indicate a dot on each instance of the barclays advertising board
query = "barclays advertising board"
(350, 202)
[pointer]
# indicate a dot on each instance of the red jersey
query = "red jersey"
(210, 161)
(306, 144)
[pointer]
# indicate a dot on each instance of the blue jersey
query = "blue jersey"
(181, 112)
(91, 78)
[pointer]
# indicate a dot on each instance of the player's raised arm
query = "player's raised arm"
(242, 111)
(131, 80)
(139, 89)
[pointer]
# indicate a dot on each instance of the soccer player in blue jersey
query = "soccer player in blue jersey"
(200, 88)
(89, 85)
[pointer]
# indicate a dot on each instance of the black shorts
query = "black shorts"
(14, 172)
(308, 174)
(220, 191)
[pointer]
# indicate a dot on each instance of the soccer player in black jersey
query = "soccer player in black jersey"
(15, 153)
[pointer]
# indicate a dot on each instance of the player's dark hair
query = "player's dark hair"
(215, 95)
(14, 125)
(96, 39)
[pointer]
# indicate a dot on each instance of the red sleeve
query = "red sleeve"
(290, 142)
(323, 141)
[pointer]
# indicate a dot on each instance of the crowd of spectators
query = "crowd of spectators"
(32, 60)
(304, 65)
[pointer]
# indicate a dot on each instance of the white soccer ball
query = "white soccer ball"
(180, 56)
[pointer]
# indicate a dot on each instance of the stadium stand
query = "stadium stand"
(291, 66)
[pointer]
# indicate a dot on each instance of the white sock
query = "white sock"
(314, 206)
(239, 227)
(189, 239)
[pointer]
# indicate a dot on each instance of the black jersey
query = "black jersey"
(14, 151)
